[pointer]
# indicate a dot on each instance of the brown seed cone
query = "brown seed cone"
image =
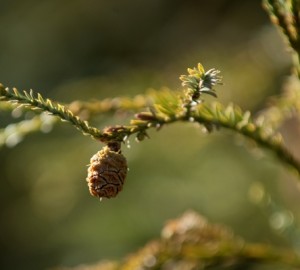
(106, 173)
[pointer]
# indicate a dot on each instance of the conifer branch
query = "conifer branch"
(169, 107)
(38, 102)
(214, 116)
(90, 109)
(234, 119)
(285, 14)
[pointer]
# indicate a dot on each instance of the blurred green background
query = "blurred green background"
(90, 49)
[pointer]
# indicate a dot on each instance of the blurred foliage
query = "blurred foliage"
(101, 49)
(191, 242)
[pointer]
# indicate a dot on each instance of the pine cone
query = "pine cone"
(107, 173)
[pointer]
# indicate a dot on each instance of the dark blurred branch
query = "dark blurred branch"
(285, 14)
(191, 242)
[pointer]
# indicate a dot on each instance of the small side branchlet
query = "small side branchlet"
(198, 82)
